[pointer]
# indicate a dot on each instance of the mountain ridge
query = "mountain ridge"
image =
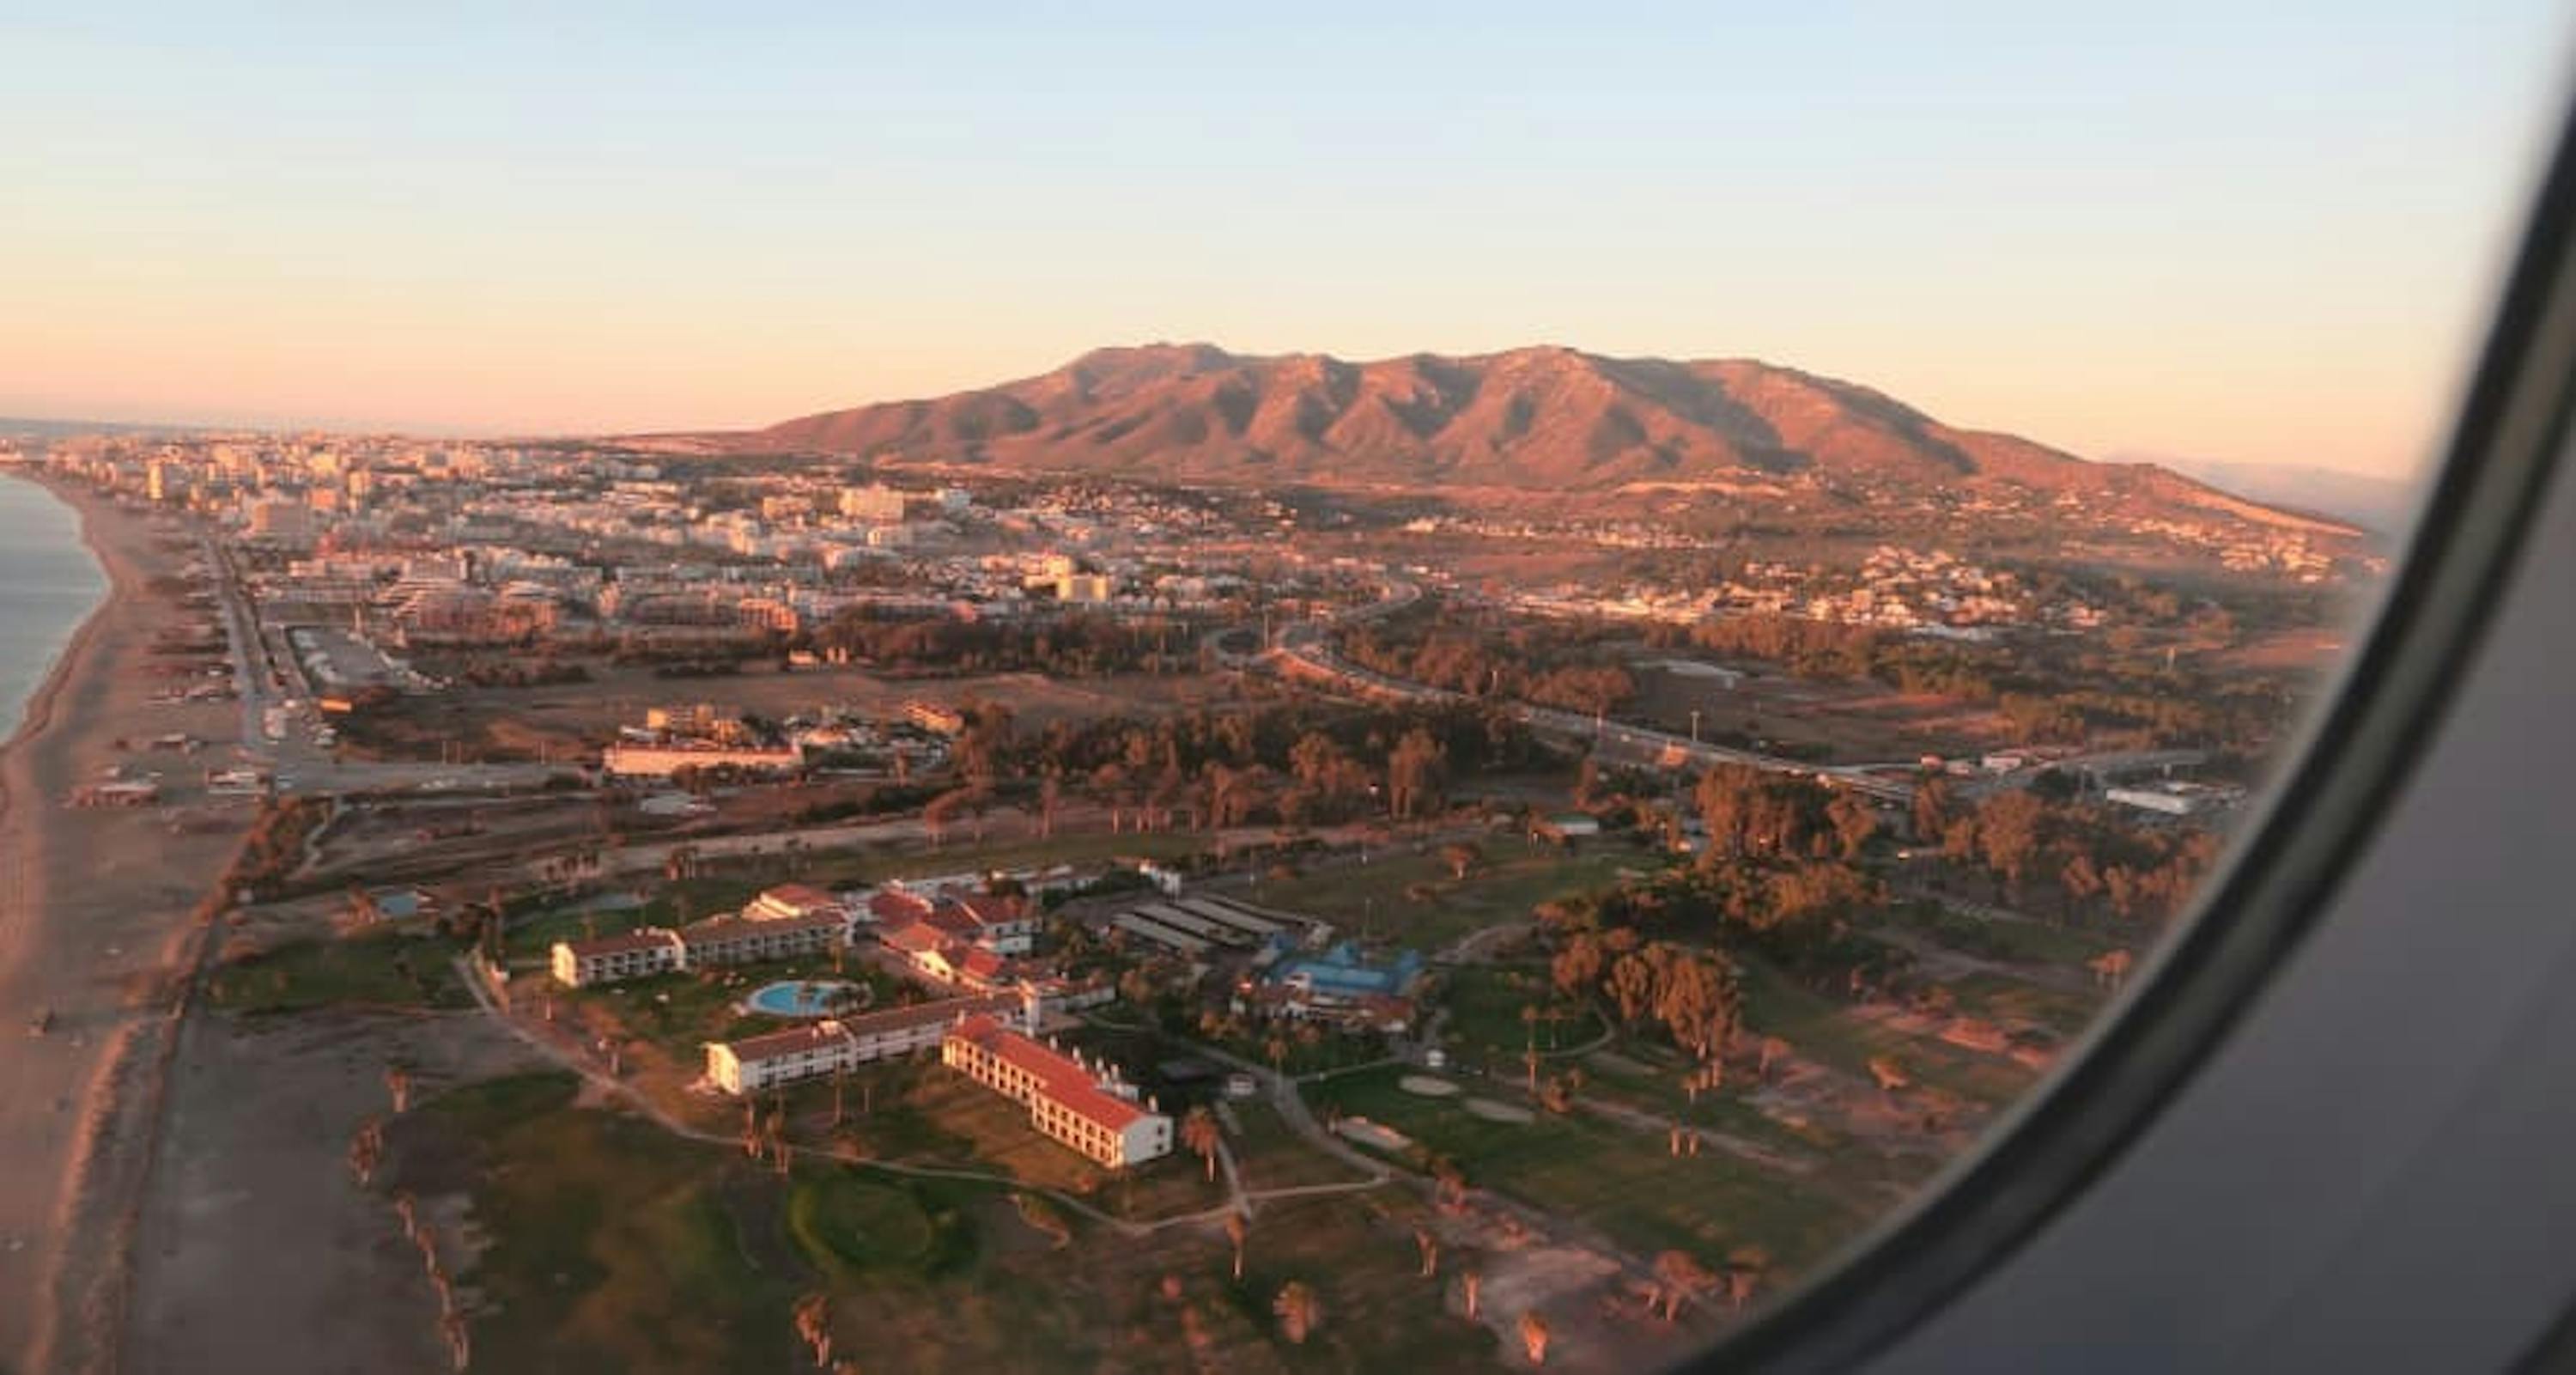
(1538, 419)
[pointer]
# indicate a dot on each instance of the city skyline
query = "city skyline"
(2253, 240)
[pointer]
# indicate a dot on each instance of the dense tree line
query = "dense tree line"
(2053, 690)
(1554, 664)
(1073, 644)
(1693, 994)
(1292, 763)
(2068, 854)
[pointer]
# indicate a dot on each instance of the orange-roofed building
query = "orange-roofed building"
(1066, 1099)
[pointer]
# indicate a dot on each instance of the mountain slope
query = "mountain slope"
(1533, 419)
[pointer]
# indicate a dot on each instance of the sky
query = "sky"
(2232, 232)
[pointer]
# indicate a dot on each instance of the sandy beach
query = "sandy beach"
(95, 910)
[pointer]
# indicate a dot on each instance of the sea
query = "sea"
(48, 586)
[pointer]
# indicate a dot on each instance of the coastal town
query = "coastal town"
(1163, 872)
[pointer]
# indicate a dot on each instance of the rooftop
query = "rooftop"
(1064, 1079)
(642, 938)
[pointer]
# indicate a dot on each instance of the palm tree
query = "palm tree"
(1529, 1033)
(1534, 1337)
(1298, 1309)
(2110, 967)
(1235, 1229)
(1679, 1276)
(1451, 1181)
(1461, 858)
(813, 1318)
(366, 1151)
(459, 1343)
(1199, 1133)
(1744, 1268)
(1891, 1076)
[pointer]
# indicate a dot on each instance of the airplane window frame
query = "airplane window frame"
(2358, 749)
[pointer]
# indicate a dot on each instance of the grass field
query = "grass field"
(377, 968)
(679, 1012)
(1370, 899)
(1998, 998)
(1825, 1030)
(1612, 1178)
(2020, 942)
(671, 904)
(1485, 1025)
(609, 1246)
(1269, 1156)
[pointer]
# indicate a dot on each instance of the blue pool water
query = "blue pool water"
(803, 997)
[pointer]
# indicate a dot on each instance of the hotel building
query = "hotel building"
(1065, 1098)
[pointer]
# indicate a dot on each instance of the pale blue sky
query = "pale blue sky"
(2195, 229)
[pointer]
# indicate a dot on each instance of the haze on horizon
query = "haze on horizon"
(2250, 237)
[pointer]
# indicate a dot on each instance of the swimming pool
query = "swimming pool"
(807, 997)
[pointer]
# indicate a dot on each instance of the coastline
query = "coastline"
(93, 929)
(37, 710)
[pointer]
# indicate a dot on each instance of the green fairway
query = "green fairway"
(2018, 942)
(1610, 1177)
(1827, 1030)
(1376, 899)
(1998, 998)
(1486, 1025)
(604, 1244)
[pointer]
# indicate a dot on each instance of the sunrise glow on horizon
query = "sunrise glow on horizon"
(2233, 236)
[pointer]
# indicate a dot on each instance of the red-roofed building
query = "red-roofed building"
(971, 965)
(896, 907)
(1065, 1098)
(1007, 924)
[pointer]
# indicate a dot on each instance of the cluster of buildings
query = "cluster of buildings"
(1085, 1104)
(786, 922)
(968, 948)
(571, 548)
(1282, 966)
(962, 939)
(1927, 591)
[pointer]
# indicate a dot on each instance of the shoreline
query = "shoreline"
(91, 932)
(38, 711)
